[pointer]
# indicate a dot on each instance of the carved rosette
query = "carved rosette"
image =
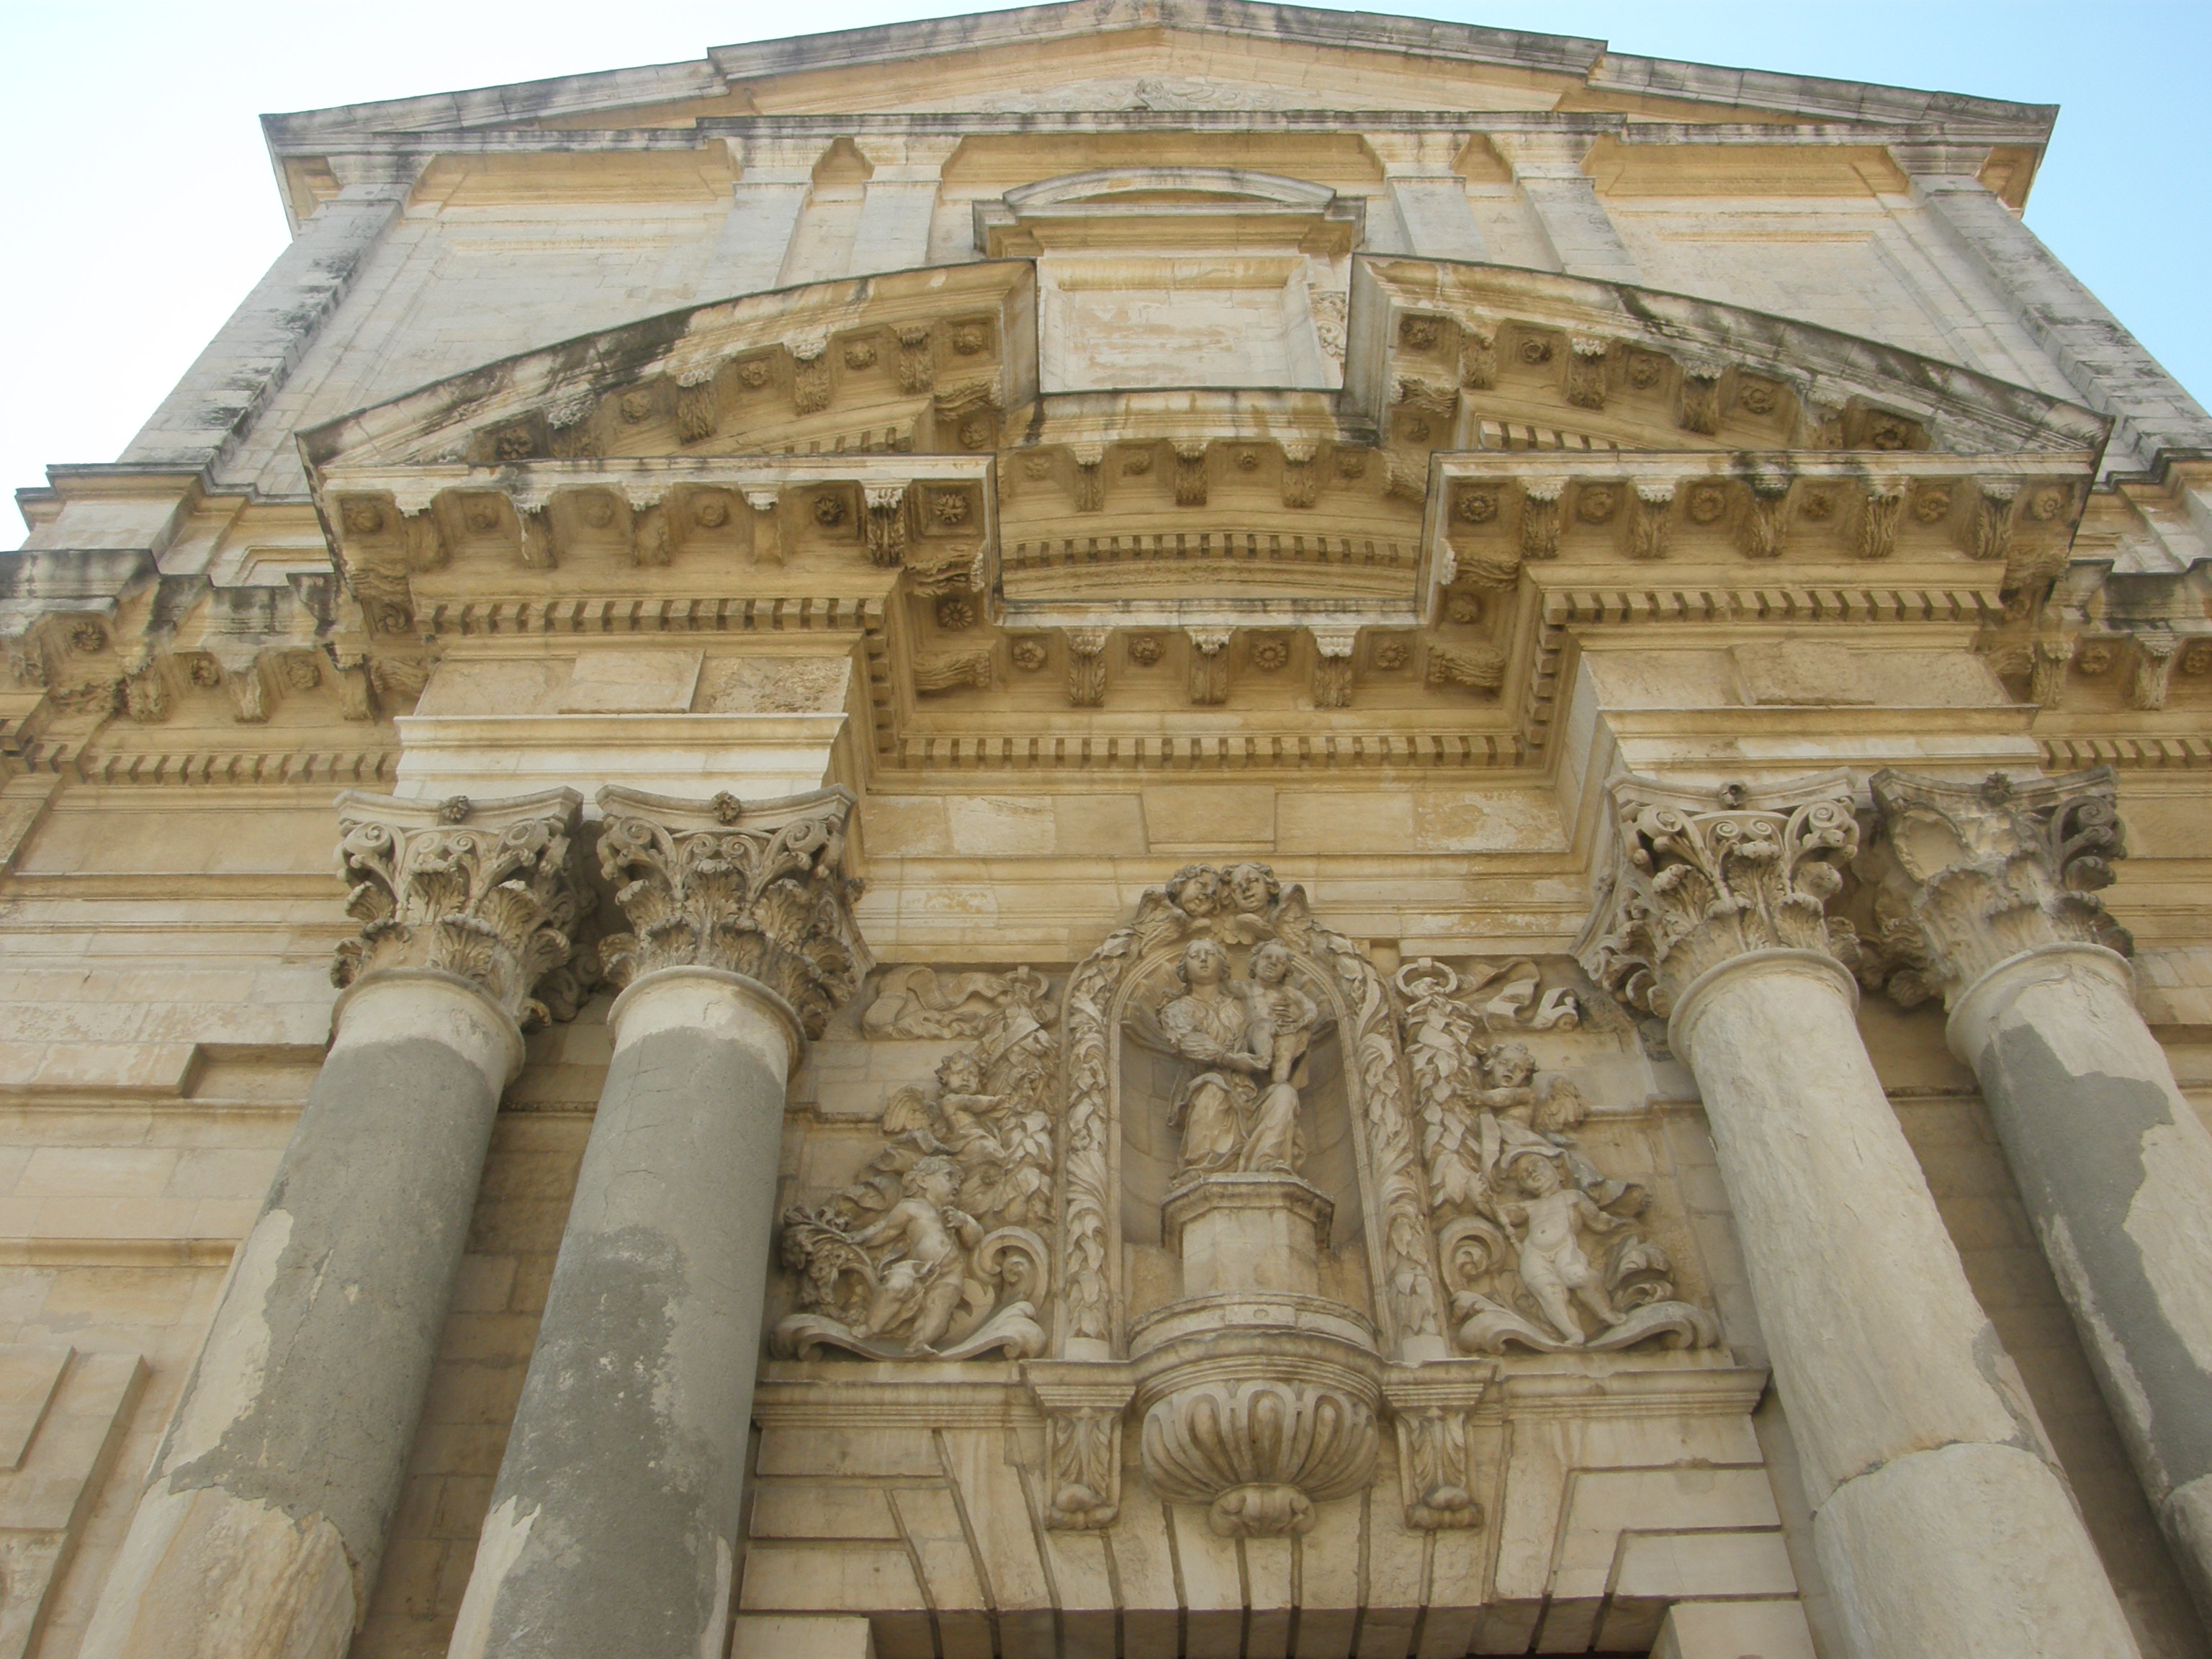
(1975, 872)
(485, 890)
(1244, 903)
(1705, 877)
(758, 889)
(1261, 1451)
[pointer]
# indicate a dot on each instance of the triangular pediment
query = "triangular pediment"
(1161, 56)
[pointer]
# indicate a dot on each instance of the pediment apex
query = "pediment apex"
(1380, 62)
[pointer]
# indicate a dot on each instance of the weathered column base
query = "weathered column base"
(1973, 1552)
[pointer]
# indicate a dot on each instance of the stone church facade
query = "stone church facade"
(1136, 830)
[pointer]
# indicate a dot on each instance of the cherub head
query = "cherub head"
(1196, 889)
(1204, 962)
(1510, 1065)
(1535, 1174)
(1270, 963)
(960, 1073)
(937, 1179)
(1252, 888)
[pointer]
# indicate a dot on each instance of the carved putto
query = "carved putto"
(933, 1252)
(1538, 1244)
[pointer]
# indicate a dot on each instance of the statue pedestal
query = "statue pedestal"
(1247, 1232)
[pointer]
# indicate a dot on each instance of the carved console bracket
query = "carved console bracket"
(1429, 1408)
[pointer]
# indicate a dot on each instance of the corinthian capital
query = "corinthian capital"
(1975, 872)
(756, 887)
(483, 889)
(1703, 876)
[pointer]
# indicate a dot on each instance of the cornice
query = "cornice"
(1578, 63)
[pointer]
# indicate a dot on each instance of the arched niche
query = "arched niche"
(1111, 1129)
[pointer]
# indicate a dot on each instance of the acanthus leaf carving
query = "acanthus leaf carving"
(1700, 879)
(485, 890)
(932, 1253)
(886, 525)
(1431, 1412)
(1971, 874)
(758, 889)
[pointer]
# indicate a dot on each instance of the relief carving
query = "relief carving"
(1236, 1113)
(1518, 1206)
(703, 888)
(482, 890)
(931, 1254)
(920, 1002)
(1260, 1454)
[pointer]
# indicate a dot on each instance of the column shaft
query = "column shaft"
(776, 178)
(1936, 1517)
(614, 1526)
(1940, 1523)
(2116, 1170)
(1430, 196)
(614, 1523)
(900, 202)
(1548, 168)
(261, 1529)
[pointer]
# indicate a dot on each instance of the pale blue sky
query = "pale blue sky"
(141, 206)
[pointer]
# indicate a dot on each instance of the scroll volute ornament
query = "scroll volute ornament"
(1705, 876)
(485, 890)
(1974, 872)
(752, 888)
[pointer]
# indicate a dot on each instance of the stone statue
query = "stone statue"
(1239, 1115)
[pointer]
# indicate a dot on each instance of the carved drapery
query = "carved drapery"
(756, 889)
(1243, 904)
(485, 890)
(1978, 873)
(1703, 877)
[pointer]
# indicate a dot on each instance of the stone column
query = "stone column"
(260, 1529)
(1548, 168)
(254, 353)
(1941, 1524)
(1430, 196)
(900, 200)
(775, 176)
(614, 1522)
(2106, 364)
(1990, 901)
